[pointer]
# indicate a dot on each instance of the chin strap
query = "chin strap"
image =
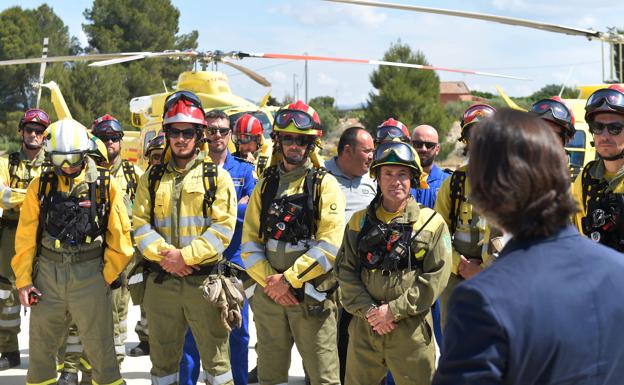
(615, 157)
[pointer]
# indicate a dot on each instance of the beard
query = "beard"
(188, 155)
(31, 146)
(296, 160)
(426, 162)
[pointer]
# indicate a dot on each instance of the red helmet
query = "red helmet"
(35, 115)
(556, 111)
(184, 107)
(248, 124)
(298, 118)
(474, 114)
(391, 129)
(609, 99)
(106, 124)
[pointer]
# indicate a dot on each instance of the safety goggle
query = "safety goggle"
(476, 114)
(69, 159)
(388, 133)
(107, 126)
(401, 150)
(184, 96)
(40, 115)
(613, 99)
(419, 143)
(597, 128)
(299, 140)
(557, 110)
(245, 138)
(300, 119)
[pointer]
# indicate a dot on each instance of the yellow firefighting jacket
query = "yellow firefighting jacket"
(118, 250)
(13, 187)
(407, 292)
(597, 171)
(471, 236)
(179, 222)
(308, 259)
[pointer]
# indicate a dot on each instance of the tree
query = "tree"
(324, 106)
(410, 95)
(550, 90)
(140, 25)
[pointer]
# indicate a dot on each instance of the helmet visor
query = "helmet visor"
(300, 119)
(612, 98)
(400, 150)
(107, 126)
(476, 113)
(69, 159)
(388, 133)
(37, 116)
(182, 95)
(557, 110)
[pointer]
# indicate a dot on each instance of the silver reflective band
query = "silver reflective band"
(217, 380)
(213, 240)
(319, 256)
(11, 310)
(462, 236)
(142, 230)
(251, 247)
(9, 323)
(162, 222)
(4, 294)
(166, 380)
(6, 197)
(252, 259)
(149, 238)
(137, 278)
(195, 221)
(311, 292)
(249, 292)
(222, 229)
(73, 339)
(74, 349)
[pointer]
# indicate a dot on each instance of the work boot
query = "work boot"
(9, 360)
(68, 378)
(142, 349)
(252, 377)
(85, 379)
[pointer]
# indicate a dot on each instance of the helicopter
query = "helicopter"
(580, 149)
(211, 86)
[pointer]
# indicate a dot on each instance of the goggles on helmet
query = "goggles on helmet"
(106, 126)
(385, 133)
(613, 99)
(69, 159)
(182, 95)
(476, 113)
(300, 119)
(402, 151)
(245, 138)
(557, 110)
(35, 116)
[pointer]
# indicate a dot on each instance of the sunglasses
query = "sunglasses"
(419, 143)
(69, 159)
(598, 128)
(245, 138)
(299, 140)
(402, 151)
(187, 134)
(300, 119)
(182, 95)
(107, 126)
(213, 131)
(112, 138)
(613, 98)
(36, 131)
(388, 133)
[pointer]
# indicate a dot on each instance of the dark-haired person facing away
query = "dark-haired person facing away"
(544, 312)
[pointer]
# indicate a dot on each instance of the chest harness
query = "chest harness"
(131, 178)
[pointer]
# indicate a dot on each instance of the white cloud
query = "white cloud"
(82, 38)
(277, 77)
(326, 80)
(316, 14)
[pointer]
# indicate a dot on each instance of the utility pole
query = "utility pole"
(295, 86)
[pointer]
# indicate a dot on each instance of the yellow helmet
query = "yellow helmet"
(68, 143)
(399, 153)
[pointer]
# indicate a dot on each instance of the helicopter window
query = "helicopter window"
(578, 141)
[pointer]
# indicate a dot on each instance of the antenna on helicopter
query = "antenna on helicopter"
(42, 68)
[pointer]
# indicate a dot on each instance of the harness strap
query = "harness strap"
(131, 178)
(458, 194)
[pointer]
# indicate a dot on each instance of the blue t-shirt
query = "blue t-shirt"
(241, 172)
(427, 197)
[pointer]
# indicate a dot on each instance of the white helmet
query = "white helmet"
(68, 143)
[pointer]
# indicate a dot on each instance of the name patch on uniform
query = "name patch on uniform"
(238, 182)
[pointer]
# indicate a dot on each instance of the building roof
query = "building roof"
(453, 88)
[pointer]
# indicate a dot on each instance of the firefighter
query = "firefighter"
(469, 231)
(599, 188)
(291, 234)
(16, 173)
(184, 216)
(154, 155)
(250, 143)
(73, 240)
(394, 262)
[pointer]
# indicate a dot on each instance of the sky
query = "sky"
(328, 29)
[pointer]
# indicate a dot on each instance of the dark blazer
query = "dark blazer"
(548, 311)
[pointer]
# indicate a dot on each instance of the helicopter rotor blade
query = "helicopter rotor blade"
(124, 59)
(253, 75)
(588, 33)
(377, 62)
